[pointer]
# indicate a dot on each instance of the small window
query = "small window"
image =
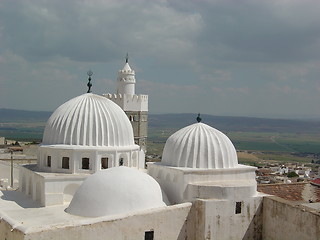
(238, 207)
(121, 162)
(48, 161)
(104, 163)
(149, 235)
(85, 163)
(65, 162)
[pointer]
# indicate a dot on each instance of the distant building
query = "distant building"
(2, 140)
(296, 192)
(134, 105)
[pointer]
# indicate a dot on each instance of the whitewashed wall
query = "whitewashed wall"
(286, 221)
(167, 223)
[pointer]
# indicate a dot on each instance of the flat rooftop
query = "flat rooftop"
(25, 215)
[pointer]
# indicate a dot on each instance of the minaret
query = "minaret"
(134, 105)
(126, 80)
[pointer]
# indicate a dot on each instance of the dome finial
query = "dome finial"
(127, 58)
(199, 118)
(89, 73)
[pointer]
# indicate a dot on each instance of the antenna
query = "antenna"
(89, 73)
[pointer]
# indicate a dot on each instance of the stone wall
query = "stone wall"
(139, 122)
(6, 231)
(285, 220)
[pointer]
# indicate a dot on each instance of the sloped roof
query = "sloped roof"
(302, 192)
(316, 182)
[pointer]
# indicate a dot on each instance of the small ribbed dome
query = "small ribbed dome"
(89, 120)
(118, 190)
(199, 146)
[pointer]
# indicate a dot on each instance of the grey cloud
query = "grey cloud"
(236, 53)
(93, 30)
(258, 30)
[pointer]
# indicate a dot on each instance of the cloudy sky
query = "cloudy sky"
(221, 57)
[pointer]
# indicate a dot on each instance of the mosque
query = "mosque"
(91, 181)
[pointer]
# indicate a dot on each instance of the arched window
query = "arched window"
(121, 161)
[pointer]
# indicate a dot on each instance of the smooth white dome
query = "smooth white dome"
(199, 146)
(89, 120)
(117, 190)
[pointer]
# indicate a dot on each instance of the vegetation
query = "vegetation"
(292, 174)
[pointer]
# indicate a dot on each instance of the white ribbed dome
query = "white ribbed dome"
(117, 190)
(199, 146)
(89, 120)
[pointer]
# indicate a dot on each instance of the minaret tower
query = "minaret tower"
(134, 105)
(126, 80)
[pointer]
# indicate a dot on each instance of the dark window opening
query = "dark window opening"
(238, 207)
(48, 161)
(85, 163)
(104, 163)
(130, 118)
(149, 235)
(65, 162)
(121, 162)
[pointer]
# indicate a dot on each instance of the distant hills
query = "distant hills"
(245, 124)
(12, 115)
(176, 121)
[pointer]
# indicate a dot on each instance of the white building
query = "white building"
(198, 186)
(2, 140)
(84, 135)
(200, 165)
(90, 183)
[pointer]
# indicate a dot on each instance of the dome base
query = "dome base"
(175, 181)
(88, 159)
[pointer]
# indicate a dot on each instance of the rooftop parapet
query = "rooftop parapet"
(136, 97)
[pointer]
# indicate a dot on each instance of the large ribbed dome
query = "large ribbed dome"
(199, 146)
(89, 120)
(118, 190)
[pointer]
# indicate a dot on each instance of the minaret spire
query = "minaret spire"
(199, 118)
(127, 58)
(89, 73)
